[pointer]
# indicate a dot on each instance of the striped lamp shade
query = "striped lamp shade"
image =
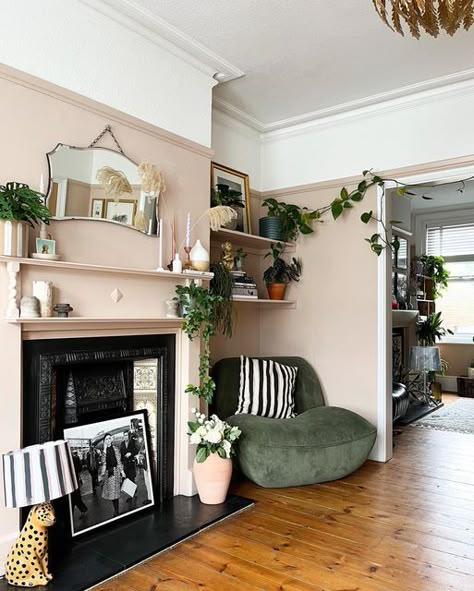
(38, 473)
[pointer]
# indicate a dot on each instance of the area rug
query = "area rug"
(458, 416)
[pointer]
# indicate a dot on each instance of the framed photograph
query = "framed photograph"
(236, 181)
(122, 211)
(44, 246)
(112, 462)
(97, 208)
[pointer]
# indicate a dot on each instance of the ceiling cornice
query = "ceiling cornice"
(445, 87)
(148, 25)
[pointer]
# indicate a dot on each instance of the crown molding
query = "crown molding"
(153, 28)
(407, 97)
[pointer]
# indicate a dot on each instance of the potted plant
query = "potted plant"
(20, 207)
(285, 221)
(215, 441)
(222, 194)
(470, 370)
(434, 269)
(280, 273)
(431, 329)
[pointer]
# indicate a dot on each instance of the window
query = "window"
(454, 240)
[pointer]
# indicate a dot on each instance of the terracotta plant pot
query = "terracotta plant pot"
(13, 238)
(276, 291)
(212, 479)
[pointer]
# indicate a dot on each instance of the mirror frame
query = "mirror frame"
(68, 218)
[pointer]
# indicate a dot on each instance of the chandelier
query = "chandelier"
(430, 15)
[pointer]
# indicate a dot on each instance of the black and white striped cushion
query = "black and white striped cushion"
(267, 388)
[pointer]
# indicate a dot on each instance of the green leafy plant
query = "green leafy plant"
(223, 309)
(211, 435)
(434, 268)
(20, 203)
(295, 220)
(223, 195)
(280, 271)
(198, 304)
(431, 329)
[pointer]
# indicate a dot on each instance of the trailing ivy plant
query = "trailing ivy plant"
(221, 285)
(198, 304)
(295, 220)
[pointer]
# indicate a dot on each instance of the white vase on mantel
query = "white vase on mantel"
(199, 257)
(43, 290)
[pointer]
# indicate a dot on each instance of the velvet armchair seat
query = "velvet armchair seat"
(321, 443)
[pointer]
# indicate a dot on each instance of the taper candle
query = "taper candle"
(188, 230)
(160, 259)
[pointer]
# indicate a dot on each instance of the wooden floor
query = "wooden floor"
(406, 525)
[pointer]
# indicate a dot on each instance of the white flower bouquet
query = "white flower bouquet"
(211, 435)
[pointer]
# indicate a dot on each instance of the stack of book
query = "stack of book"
(244, 286)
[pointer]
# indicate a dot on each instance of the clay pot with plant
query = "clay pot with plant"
(20, 208)
(280, 273)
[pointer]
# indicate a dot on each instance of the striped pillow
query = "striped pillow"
(267, 388)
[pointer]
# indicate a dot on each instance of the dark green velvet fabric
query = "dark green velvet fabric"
(320, 444)
(226, 374)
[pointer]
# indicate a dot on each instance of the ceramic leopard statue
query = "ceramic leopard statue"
(27, 562)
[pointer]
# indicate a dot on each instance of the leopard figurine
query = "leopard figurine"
(27, 561)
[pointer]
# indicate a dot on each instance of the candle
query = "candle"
(188, 230)
(41, 184)
(160, 259)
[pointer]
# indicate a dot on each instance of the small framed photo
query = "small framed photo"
(44, 246)
(122, 211)
(111, 459)
(97, 208)
(235, 181)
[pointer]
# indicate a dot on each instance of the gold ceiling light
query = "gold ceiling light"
(430, 15)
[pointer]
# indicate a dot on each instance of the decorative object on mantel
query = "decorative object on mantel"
(63, 310)
(280, 273)
(43, 290)
(177, 265)
(199, 257)
(35, 476)
(430, 15)
(30, 307)
(470, 370)
(230, 188)
(172, 309)
(20, 207)
(215, 441)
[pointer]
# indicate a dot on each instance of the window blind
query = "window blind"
(450, 240)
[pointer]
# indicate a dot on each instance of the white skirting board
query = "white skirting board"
(448, 383)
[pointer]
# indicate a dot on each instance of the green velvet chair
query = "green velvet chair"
(321, 443)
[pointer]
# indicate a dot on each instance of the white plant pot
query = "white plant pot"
(470, 372)
(13, 238)
(199, 257)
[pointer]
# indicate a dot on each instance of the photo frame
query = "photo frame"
(97, 208)
(122, 211)
(45, 246)
(238, 181)
(112, 463)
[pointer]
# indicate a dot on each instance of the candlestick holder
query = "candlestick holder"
(187, 263)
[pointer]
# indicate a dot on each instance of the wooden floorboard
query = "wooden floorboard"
(407, 525)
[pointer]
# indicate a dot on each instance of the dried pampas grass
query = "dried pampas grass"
(220, 215)
(113, 181)
(152, 179)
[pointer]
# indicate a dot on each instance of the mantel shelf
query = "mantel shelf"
(246, 240)
(92, 320)
(107, 269)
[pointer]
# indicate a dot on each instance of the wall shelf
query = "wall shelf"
(107, 269)
(264, 302)
(246, 240)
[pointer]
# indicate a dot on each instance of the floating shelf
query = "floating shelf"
(246, 240)
(107, 269)
(263, 302)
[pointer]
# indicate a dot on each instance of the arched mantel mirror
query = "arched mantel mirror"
(96, 183)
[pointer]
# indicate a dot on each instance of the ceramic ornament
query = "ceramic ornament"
(199, 257)
(29, 307)
(43, 290)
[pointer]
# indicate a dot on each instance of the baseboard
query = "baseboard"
(448, 383)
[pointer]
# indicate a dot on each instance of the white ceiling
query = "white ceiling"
(454, 195)
(304, 56)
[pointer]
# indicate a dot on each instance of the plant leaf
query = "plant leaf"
(366, 216)
(336, 209)
(357, 196)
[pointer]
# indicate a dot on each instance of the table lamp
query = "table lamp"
(35, 475)
(424, 360)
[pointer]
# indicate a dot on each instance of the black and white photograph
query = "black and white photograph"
(112, 464)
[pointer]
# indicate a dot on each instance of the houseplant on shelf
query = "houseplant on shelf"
(285, 221)
(434, 268)
(20, 207)
(431, 329)
(222, 194)
(215, 441)
(280, 273)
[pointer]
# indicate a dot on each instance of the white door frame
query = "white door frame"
(383, 449)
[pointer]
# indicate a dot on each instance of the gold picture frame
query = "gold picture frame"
(238, 181)
(121, 210)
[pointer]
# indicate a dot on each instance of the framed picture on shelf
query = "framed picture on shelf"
(97, 208)
(122, 211)
(111, 459)
(224, 179)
